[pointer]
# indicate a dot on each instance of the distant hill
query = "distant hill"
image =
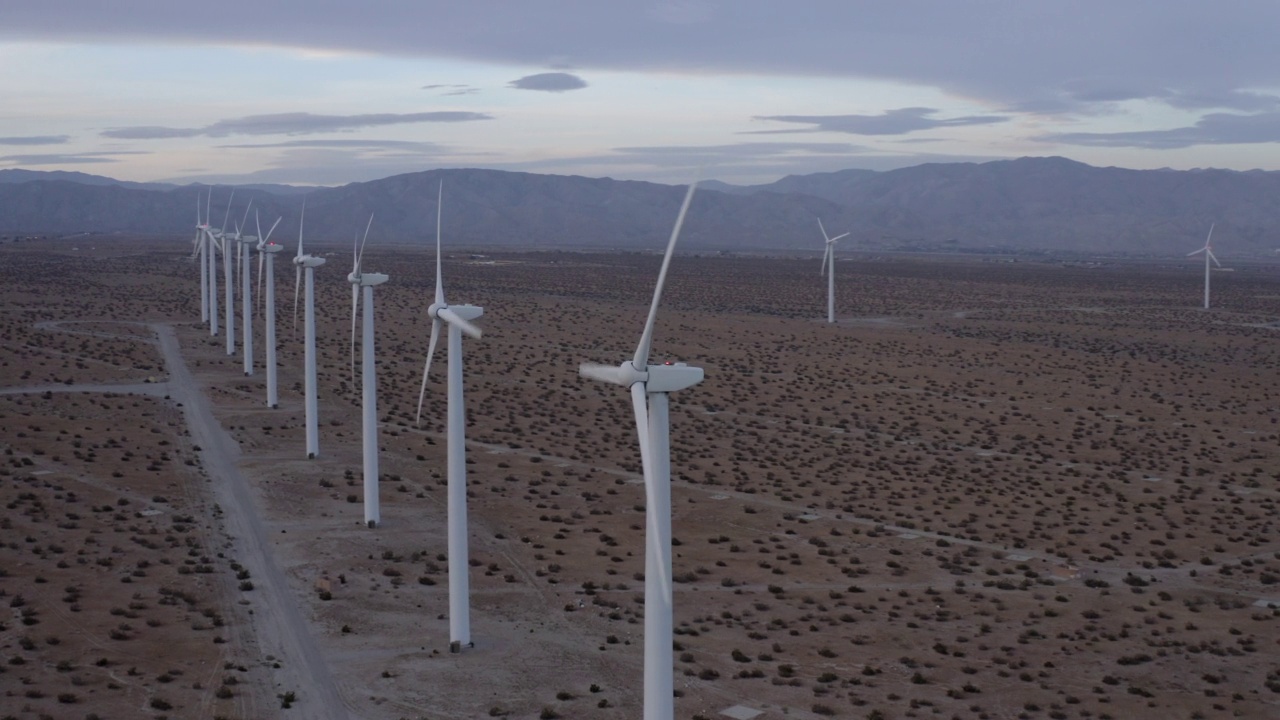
(1025, 205)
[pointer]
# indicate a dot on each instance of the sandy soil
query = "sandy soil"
(991, 490)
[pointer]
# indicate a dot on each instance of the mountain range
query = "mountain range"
(1028, 205)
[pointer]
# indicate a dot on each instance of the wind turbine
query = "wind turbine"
(650, 385)
(363, 283)
(1208, 255)
(458, 318)
(228, 277)
(308, 263)
(243, 250)
(829, 258)
(214, 240)
(268, 250)
(200, 251)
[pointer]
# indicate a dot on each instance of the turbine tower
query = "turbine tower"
(1208, 255)
(458, 318)
(650, 385)
(215, 244)
(308, 264)
(228, 280)
(243, 250)
(829, 259)
(362, 283)
(267, 251)
(201, 251)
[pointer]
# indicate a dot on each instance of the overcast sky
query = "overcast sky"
(330, 92)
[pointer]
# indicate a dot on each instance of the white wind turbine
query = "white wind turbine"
(214, 239)
(308, 263)
(267, 251)
(1208, 255)
(243, 250)
(458, 318)
(363, 283)
(650, 385)
(829, 258)
(201, 250)
(228, 280)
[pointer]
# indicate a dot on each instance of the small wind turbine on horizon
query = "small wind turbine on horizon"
(1208, 255)
(458, 318)
(829, 259)
(650, 386)
(362, 283)
(308, 264)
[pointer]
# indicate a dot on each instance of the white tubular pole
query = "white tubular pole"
(204, 280)
(659, 660)
(1206, 279)
(459, 581)
(831, 284)
(273, 399)
(309, 381)
(246, 307)
(229, 295)
(213, 289)
(372, 516)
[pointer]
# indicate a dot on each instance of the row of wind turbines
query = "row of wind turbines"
(649, 385)
(829, 260)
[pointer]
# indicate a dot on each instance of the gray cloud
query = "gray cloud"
(890, 122)
(345, 143)
(452, 89)
(1009, 53)
(1212, 129)
(290, 124)
(549, 82)
(66, 158)
(35, 140)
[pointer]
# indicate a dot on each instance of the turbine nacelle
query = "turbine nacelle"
(665, 378)
(271, 248)
(308, 261)
(365, 279)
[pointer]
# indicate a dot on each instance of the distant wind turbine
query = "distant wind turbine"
(458, 318)
(268, 250)
(650, 386)
(829, 259)
(308, 264)
(1208, 255)
(362, 283)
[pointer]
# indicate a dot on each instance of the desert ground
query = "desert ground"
(993, 489)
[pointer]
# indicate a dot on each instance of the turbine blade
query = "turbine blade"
(1213, 257)
(453, 318)
(646, 338)
(263, 240)
(824, 230)
(439, 274)
(301, 218)
(258, 300)
(838, 237)
(227, 215)
(1197, 252)
(245, 221)
(825, 254)
(605, 373)
(1208, 239)
(640, 403)
(431, 350)
(360, 255)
